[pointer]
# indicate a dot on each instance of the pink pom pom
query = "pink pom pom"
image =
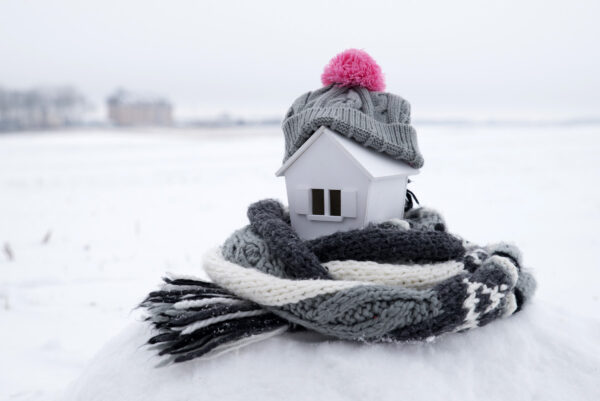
(354, 67)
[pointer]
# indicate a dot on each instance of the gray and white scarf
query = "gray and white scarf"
(395, 281)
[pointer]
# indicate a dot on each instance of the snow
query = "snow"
(92, 220)
(520, 359)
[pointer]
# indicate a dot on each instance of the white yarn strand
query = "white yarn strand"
(263, 288)
(203, 302)
(406, 275)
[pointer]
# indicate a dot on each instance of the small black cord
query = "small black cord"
(411, 199)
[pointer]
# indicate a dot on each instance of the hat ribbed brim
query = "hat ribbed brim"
(395, 139)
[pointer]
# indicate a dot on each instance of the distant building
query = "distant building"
(43, 108)
(127, 109)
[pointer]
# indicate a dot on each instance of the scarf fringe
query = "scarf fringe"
(195, 318)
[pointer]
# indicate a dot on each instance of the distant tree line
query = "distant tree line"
(42, 108)
(57, 107)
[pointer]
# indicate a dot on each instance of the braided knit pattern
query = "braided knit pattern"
(376, 120)
(398, 280)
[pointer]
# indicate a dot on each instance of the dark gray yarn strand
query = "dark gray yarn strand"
(267, 219)
(302, 260)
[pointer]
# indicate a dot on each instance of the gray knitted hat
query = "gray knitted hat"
(352, 104)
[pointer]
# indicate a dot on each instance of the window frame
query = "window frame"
(335, 202)
(326, 194)
(318, 209)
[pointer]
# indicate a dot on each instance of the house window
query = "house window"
(322, 204)
(318, 201)
(321, 198)
(335, 202)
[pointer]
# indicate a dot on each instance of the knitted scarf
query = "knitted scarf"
(394, 281)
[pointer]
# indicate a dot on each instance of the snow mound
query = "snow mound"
(540, 353)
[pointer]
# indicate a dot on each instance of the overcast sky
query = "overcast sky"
(455, 58)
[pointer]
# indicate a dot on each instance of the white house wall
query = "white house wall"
(386, 199)
(324, 165)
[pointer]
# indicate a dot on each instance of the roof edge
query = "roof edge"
(338, 139)
(300, 151)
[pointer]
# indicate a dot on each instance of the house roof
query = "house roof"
(375, 164)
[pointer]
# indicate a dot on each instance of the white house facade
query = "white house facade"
(335, 184)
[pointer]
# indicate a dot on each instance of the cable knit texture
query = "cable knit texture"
(376, 120)
(399, 280)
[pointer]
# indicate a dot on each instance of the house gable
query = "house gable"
(375, 165)
(332, 173)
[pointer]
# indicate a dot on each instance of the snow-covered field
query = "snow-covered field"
(89, 221)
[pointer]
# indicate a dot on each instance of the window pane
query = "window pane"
(318, 201)
(335, 202)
